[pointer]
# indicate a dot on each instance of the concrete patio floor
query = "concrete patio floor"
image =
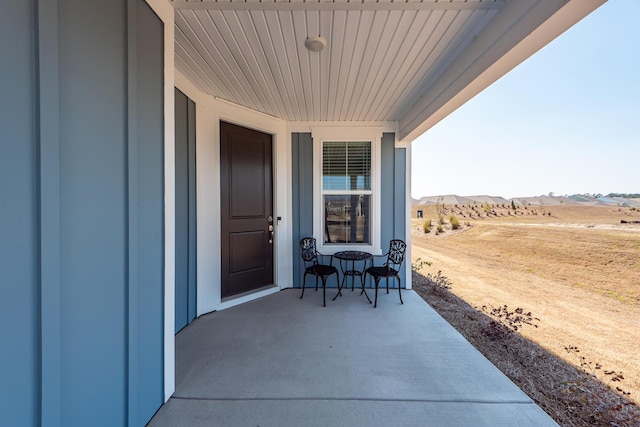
(282, 361)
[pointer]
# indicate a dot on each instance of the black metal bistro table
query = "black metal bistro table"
(344, 257)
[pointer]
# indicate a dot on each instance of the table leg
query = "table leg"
(340, 282)
(364, 268)
(353, 268)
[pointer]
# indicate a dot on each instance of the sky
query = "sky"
(566, 121)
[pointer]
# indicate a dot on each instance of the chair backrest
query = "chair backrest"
(308, 250)
(396, 252)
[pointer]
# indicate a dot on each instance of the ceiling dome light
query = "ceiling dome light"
(315, 44)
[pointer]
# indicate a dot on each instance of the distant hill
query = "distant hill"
(577, 199)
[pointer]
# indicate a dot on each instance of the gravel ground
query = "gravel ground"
(573, 397)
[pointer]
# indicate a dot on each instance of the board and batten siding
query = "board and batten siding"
(19, 235)
(82, 213)
(302, 200)
(392, 192)
(185, 214)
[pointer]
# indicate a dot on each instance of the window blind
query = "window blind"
(346, 165)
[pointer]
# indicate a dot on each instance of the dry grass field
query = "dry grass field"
(575, 268)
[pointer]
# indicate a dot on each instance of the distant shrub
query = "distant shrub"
(455, 224)
(439, 228)
(419, 263)
(594, 387)
(441, 210)
(439, 282)
(507, 321)
(513, 205)
(426, 226)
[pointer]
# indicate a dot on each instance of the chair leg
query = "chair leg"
(324, 291)
(303, 280)
(387, 285)
(400, 289)
(375, 304)
(316, 283)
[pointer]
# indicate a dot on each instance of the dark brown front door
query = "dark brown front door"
(246, 209)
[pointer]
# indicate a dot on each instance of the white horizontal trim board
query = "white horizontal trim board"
(306, 126)
(337, 4)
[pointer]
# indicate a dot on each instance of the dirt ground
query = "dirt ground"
(577, 270)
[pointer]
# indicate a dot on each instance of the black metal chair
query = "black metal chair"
(312, 264)
(391, 268)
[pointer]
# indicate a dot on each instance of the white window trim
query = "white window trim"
(322, 134)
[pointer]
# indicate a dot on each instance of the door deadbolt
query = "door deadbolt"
(270, 219)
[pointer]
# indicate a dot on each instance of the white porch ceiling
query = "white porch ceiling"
(384, 61)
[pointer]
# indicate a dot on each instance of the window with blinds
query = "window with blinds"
(346, 190)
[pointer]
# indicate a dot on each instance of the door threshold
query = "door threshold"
(251, 295)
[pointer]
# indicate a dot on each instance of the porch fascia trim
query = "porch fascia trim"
(455, 89)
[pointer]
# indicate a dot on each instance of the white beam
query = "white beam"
(359, 5)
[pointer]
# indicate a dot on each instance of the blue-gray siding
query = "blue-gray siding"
(185, 255)
(302, 194)
(146, 208)
(19, 302)
(393, 171)
(400, 192)
(392, 193)
(81, 213)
